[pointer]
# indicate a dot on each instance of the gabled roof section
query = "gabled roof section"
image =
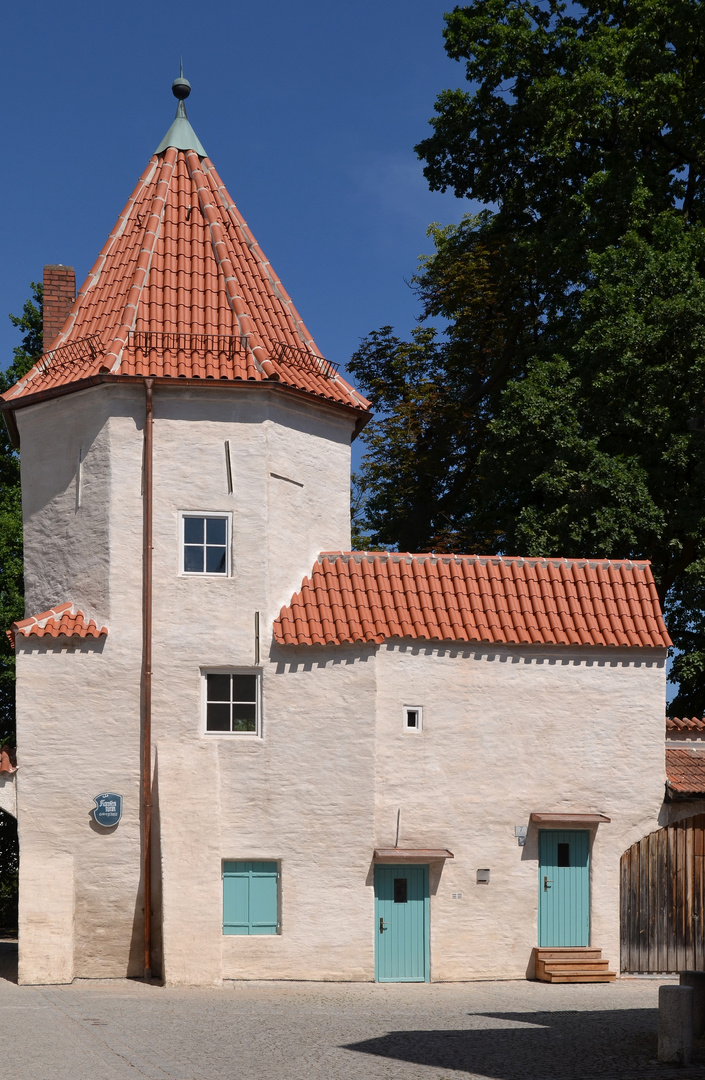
(63, 620)
(182, 289)
(364, 597)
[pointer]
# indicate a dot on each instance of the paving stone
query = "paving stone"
(110, 1030)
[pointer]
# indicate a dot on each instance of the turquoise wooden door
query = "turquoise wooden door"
(564, 887)
(401, 924)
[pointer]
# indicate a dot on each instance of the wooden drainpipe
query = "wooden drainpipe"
(147, 678)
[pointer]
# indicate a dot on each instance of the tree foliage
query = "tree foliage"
(550, 416)
(29, 323)
(9, 873)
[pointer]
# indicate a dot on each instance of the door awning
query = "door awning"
(397, 854)
(566, 818)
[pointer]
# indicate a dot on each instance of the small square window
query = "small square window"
(413, 716)
(205, 543)
(232, 703)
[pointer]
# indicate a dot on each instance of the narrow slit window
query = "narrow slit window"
(564, 854)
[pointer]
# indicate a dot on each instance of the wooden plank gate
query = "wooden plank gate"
(663, 900)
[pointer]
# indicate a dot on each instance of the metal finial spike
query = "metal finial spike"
(181, 68)
(181, 135)
(181, 87)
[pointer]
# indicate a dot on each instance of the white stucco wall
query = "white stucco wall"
(79, 705)
(66, 544)
(505, 731)
(8, 793)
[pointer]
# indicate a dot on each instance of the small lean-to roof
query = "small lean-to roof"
(182, 290)
(60, 621)
(685, 771)
(356, 597)
(689, 723)
(8, 759)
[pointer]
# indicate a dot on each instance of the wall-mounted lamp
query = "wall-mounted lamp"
(520, 832)
(483, 877)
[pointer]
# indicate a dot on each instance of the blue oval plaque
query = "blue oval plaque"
(108, 809)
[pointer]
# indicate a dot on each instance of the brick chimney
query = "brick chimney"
(59, 295)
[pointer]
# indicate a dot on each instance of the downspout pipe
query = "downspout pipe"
(147, 675)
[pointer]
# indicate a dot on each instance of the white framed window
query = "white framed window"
(232, 703)
(204, 543)
(412, 717)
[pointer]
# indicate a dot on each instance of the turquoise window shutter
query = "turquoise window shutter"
(263, 898)
(250, 897)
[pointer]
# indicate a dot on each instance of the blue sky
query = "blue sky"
(309, 111)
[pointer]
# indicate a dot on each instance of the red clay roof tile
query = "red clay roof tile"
(690, 723)
(8, 760)
(59, 621)
(181, 289)
(685, 771)
(374, 596)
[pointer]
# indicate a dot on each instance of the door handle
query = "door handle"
(546, 883)
(382, 927)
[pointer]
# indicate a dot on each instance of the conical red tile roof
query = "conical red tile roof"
(182, 289)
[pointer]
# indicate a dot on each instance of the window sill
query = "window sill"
(242, 736)
(198, 574)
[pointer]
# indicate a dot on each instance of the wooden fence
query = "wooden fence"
(663, 900)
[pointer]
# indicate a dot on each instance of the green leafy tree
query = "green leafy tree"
(9, 873)
(551, 417)
(29, 323)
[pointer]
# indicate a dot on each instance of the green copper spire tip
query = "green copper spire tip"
(181, 87)
(181, 135)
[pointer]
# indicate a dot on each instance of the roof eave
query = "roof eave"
(674, 794)
(9, 407)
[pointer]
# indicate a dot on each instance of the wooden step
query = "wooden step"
(564, 964)
(561, 952)
(581, 977)
(573, 965)
(547, 970)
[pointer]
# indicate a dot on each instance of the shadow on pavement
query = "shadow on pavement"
(8, 961)
(570, 1045)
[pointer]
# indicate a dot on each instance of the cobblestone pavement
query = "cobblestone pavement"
(112, 1030)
